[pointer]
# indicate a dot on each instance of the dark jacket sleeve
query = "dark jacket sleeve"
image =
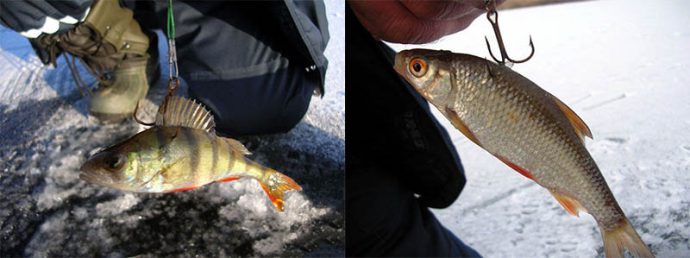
(390, 125)
(26, 15)
(304, 24)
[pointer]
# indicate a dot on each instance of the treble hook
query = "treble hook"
(491, 12)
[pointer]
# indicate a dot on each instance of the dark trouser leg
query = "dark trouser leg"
(384, 218)
(263, 104)
(237, 63)
(399, 162)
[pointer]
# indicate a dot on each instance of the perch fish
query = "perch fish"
(525, 127)
(181, 152)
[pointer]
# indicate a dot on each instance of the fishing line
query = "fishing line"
(172, 50)
(173, 78)
(173, 75)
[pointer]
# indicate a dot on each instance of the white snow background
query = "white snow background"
(624, 67)
(45, 210)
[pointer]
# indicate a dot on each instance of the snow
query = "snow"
(45, 210)
(623, 67)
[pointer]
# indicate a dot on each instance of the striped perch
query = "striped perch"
(181, 152)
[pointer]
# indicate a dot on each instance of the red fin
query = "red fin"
(281, 183)
(228, 179)
(571, 205)
(516, 167)
(182, 189)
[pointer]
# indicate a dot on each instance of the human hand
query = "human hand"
(414, 22)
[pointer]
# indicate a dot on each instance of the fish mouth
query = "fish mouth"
(91, 178)
(86, 173)
(94, 176)
(97, 180)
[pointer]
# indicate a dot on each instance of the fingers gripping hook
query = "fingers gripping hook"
(492, 16)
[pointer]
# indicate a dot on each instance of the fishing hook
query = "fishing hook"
(134, 115)
(488, 67)
(492, 16)
(173, 84)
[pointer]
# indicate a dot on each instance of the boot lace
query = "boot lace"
(90, 48)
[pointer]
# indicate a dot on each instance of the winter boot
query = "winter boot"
(114, 49)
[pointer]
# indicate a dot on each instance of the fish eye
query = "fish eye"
(115, 162)
(418, 67)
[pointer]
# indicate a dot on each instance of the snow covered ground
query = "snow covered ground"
(624, 67)
(45, 210)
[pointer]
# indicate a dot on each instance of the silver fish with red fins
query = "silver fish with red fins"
(525, 127)
(181, 152)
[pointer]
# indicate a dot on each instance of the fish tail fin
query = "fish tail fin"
(621, 238)
(275, 185)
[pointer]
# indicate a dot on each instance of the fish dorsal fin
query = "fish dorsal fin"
(179, 111)
(581, 128)
(237, 145)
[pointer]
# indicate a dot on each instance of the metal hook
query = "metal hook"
(491, 12)
(173, 84)
(134, 115)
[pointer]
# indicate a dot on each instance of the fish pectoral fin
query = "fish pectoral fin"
(228, 179)
(581, 128)
(460, 125)
(517, 168)
(571, 205)
(237, 145)
(275, 186)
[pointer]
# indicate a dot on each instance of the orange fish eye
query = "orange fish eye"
(418, 67)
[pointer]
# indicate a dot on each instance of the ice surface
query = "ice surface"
(45, 210)
(623, 66)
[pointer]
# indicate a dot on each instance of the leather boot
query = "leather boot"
(114, 49)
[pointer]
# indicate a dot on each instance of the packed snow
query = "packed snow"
(45, 210)
(623, 67)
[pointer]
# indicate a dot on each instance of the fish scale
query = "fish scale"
(499, 104)
(525, 127)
